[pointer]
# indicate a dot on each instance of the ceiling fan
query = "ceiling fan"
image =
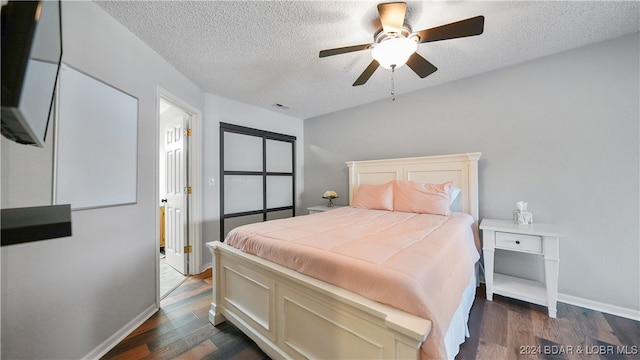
(395, 44)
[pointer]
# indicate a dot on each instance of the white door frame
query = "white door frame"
(195, 177)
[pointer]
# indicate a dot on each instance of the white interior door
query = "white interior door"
(176, 214)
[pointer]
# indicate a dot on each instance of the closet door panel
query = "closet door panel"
(242, 152)
(242, 193)
(282, 214)
(279, 156)
(279, 192)
(234, 222)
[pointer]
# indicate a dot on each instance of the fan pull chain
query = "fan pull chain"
(393, 85)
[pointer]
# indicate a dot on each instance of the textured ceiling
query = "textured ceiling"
(266, 52)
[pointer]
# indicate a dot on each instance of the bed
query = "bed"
(293, 315)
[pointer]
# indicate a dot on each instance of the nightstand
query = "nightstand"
(537, 240)
(322, 208)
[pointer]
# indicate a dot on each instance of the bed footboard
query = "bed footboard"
(291, 315)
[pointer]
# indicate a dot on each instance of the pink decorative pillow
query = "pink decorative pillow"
(377, 197)
(410, 196)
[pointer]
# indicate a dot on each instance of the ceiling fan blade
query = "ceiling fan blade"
(343, 50)
(420, 65)
(367, 73)
(463, 28)
(392, 16)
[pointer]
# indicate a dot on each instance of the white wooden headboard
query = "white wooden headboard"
(462, 169)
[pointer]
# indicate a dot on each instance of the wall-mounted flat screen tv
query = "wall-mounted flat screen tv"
(31, 57)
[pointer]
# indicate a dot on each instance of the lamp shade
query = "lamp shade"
(394, 51)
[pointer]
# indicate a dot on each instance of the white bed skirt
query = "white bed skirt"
(458, 330)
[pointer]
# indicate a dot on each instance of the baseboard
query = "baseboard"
(599, 306)
(119, 335)
(205, 267)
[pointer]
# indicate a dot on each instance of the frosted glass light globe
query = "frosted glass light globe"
(395, 51)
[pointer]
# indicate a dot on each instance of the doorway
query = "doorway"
(173, 195)
(178, 193)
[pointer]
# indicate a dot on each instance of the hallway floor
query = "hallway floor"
(170, 278)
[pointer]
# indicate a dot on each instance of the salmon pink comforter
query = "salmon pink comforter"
(418, 263)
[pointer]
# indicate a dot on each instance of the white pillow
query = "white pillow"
(453, 194)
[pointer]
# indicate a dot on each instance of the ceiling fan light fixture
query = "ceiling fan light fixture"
(395, 43)
(394, 51)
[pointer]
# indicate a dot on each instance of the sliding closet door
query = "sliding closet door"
(280, 192)
(258, 169)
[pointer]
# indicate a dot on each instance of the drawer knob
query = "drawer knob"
(518, 242)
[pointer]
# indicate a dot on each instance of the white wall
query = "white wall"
(219, 110)
(561, 132)
(66, 298)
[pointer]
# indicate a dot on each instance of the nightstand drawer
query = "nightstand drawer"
(519, 242)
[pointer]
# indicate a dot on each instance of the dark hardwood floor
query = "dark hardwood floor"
(181, 330)
(511, 329)
(500, 329)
